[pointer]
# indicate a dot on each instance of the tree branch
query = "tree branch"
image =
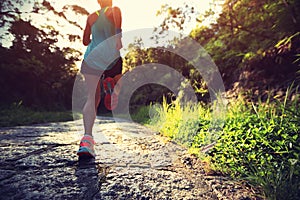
(8, 12)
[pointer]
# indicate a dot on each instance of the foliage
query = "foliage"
(229, 36)
(141, 115)
(138, 55)
(34, 69)
(175, 18)
(279, 182)
(249, 36)
(11, 10)
(259, 142)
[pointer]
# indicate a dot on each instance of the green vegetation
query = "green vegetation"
(34, 69)
(141, 115)
(259, 142)
(254, 43)
(16, 115)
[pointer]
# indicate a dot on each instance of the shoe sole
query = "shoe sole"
(85, 155)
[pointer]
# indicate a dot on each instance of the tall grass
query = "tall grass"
(182, 123)
(259, 142)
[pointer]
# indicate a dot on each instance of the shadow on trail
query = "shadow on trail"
(89, 176)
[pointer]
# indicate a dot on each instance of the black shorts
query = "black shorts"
(115, 70)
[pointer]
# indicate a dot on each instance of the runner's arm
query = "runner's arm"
(118, 26)
(87, 33)
(117, 17)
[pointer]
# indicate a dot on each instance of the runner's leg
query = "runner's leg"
(89, 111)
(98, 96)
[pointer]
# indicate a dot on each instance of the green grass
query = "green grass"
(259, 142)
(141, 115)
(16, 115)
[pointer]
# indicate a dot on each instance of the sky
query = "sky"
(136, 14)
(139, 13)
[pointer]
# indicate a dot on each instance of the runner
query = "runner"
(101, 54)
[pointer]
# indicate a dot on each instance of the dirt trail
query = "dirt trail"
(132, 162)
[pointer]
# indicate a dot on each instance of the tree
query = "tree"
(34, 69)
(247, 35)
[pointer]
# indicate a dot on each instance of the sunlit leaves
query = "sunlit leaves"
(174, 17)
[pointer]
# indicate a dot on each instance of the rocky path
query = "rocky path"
(40, 162)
